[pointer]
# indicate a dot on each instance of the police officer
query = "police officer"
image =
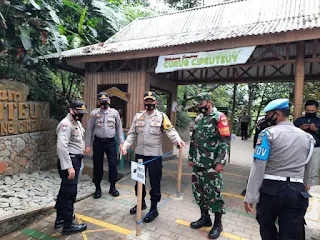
(209, 152)
(104, 124)
(70, 147)
(280, 175)
(146, 129)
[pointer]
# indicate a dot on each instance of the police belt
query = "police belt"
(283, 179)
(103, 140)
(76, 156)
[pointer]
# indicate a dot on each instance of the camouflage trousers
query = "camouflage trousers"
(206, 187)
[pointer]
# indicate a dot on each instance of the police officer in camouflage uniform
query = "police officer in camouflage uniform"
(104, 124)
(209, 152)
(70, 148)
(280, 175)
(147, 130)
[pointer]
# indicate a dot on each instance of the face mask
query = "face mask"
(203, 109)
(149, 106)
(77, 116)
(104, 104)
(311, 114)
(270, 121)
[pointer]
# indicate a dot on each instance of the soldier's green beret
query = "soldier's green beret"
(202, 97)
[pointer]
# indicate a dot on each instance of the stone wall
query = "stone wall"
(27, 153)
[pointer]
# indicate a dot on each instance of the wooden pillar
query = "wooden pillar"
(299, 80)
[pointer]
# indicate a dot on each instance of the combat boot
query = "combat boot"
(204, 220)
(97, 193)
(59, 221)
(113, 191)
(74, 228)
(217, 227)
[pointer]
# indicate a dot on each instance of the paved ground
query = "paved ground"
(108, 218)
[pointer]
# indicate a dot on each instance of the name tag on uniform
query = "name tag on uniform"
(262, 150)
(155, 124)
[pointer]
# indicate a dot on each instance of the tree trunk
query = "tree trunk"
(251, 95)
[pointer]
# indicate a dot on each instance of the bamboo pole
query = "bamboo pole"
(179, 173)
(139, 206)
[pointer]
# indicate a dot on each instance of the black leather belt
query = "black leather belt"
(103, 140)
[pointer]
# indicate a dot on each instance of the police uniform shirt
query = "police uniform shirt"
(70, 135)
(282, 150)
(104, 124)
(147, 131)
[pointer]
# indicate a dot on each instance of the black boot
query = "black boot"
(113, 191)
(217, 227)
(152, 214)
(134, 209)
(97, 193)
(59, 221)
(204, 220)
(74, 228)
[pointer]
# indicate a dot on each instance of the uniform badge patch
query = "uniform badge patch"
(141, 118)
(64, 127)
(223, 127)
(140, 123)
(259, 141)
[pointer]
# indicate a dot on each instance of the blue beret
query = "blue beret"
(277, 105)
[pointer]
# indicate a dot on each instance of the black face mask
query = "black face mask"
(149, 106)
(203, 109)
(311, 114)
(104, 104)
(77, 116)
(270, 121)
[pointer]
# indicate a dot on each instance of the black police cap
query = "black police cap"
(79, 106)
(150, 95)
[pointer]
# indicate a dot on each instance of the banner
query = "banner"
(116, 92)
(226, 57)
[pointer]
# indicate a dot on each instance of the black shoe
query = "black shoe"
(114, 192)
(204, 221)
(59, 223)
(134, 209)
(97, 193)
(244, 192)
(74, 228)
(217, 227)
(152, 214)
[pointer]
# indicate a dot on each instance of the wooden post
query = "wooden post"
(139, 206)
(299, 80)
(179, 173)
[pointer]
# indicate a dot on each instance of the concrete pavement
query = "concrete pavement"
(108, 217)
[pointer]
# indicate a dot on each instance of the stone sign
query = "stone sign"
(17, 115)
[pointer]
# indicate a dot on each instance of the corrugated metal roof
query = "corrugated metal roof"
(221, 21)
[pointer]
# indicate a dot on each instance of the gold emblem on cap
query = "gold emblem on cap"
(83, 107)
(103, 96)
(149, 94)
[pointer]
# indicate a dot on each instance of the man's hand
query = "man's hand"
(181, 144)
(248, 207)
(123, 150)
(190, 164)
(307, 187)
(313, 127)
(219, 168)
(87, 150)
(305, 126)
(71, 173)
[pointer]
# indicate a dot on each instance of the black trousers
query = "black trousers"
(103, 146)
(244, 130)
(155, 175)
(68, 191)
(286, 201)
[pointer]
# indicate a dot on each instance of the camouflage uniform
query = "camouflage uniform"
(209, 146)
